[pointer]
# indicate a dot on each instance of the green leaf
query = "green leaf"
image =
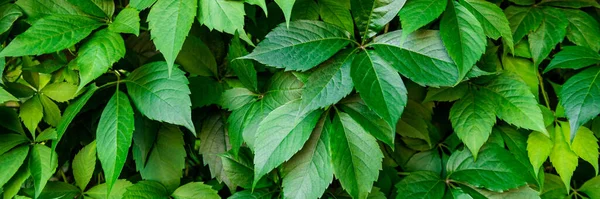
(379, 86)
(551, 32)
(48, 134)
(128, 21)
(580, 96)
(103, 191)
(160, 96)
(591, 187)
(585, 145)
(141, 4)
(261, 3)
(243, 123)
(361, 113)
(371, 16)
(418, 13)
(50, 34)
(42, 164)
(10, 141)
(222, 15)
(302, 46)
(522, 192)
(525, 69)
(236, 98)
(35, 9)
(98, 54)
(425, 161)
(70, 113)
(562, 157)
(31, 113)
(523, 20)
(493, 21)
(51, 111)
(196, 58)
(243, 68)
(56, 189)
(286, 6)
(446, 94)
(207, 91)
(146, 190)
(305, 9)
(5, 96)
(337, 13)
(421, 57)
(169, 23)
(518, 105)
(463, 35)
(281, 89)
(571, 3)
(523, 2)
(239, 169)
(328, 83)
(539, 147)
(9, 13)
(60, 91)
(280, 135)
(214, 141)
(495, 169)
(583, 29)
(309, 172)
(167, 158)
(113, 136)
(355, 155)
(472, 119)
(553, 187)
(84, 164)
(89, 7)
(144, 135)
(195, 190)
(574, 57)
(10, 163)
(421, 184)
(12, 187)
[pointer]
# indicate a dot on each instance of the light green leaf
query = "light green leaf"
(280, 135)
(12, 187)
(98, 54)
(141, 4)
(50, 34)
(539, 147)
(286, 6)
(222, 15)
(236, 98)
(31, 113)
(574, 57)
(57, 189)
(196, 58)
(525, 69)
(10, 163)
(302, 46)
(421, 184)
(591, 187)
(379, 86)
(585, 145)
(369, 120)
(355, 155)
(562, 157)
(515, 103)
(571, 3)
(127, 21)
(495, 169)
(583, 29)
(328, 83)
(11, 140)
(580, 96)
(48, 134)
(5, 96)
(101, 191)
(446, 94)
(42, 165)
(9, 13)
(60, 91)
(421, 57)
(261, 3)
(51, 111)
(146, 190)
(523, 20)
(169, 23)
(472, 119)
(167, 158)
(243, 68)
(337, 12)
(70, 113)
(84, 164)
(35, 9)
(195, 190)
(551, 32)
(309, 172)
(463, 35)
(371, 16)
(418, 13)
(492, 19)
(213, 138)
(113, 136)
(160, 96)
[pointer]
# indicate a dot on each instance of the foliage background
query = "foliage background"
(299, 99)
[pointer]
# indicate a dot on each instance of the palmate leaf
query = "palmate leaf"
(472, 119)
(50, 34)
(302, 46)
(463, 35)
(371, 16)
(379, 86)
(222, 15)
(418, 13)
(369, 120)
(170, 22)
(31, 113)
(583, 29)
(160, 97)
(580, 96)
(98, 54)
(421, 184)
(574, 57)
(551, 32)
(337, 13)
(113, 136)
(492, 19)
(355, 155)
(280, 135)
(523, 20)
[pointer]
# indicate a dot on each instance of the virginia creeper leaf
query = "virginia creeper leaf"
(195, 190)
(574, 57)
(418, 13)
(222, 15)
(583, 29)
(421, 184)
(98, 54)
(523, 20)
(580, 96)
(10, 163)
(41, 165)
(371, 16)
(84, 164)
(127, 21)
(472, 119)
(167, 158)
(551, 32)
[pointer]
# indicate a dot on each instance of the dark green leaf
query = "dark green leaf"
(371, 16)
(167, 158)
(418, 13)
(472, 119)
(421, 184)
(70, 113)
(361, 113)
(214, 141)
(236, 98)
(98, 54)
(574, 57)
(493, 21)
(337, 12)
(9, 13)
(243, 68)
(141, 4)
(10, 140)
(329, 83)
(10, 163)
(551, 32)
(580, 96)
(42, 165)
(583, 29)
(523, 20)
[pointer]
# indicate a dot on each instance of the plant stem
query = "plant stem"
(544, 94)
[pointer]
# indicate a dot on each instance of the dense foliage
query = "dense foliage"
(299, 99)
